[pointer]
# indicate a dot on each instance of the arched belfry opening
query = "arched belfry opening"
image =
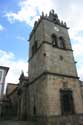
(61, 42)
(54, 40)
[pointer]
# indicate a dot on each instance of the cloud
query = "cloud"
(21, 38)
(16, 66)
(1, 28)
(29, 11)
(77, 43)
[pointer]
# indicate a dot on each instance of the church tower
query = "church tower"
(54, 87)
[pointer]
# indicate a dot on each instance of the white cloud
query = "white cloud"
(71, 11)
(77, 44)
(16, 66)
(68, 10)
(29, 10)
(1, 28)
(21, 38)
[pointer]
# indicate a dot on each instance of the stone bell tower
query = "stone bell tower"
(54, 84)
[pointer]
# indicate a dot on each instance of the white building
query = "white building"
(3, 73)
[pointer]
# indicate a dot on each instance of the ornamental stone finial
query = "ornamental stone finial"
(42, 14)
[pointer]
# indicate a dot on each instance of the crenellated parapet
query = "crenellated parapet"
(52, 17)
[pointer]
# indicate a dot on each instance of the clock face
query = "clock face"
(56, 28)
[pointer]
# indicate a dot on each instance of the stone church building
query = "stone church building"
(53, 91)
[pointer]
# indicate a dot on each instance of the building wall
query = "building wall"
(81, 88)
(22, 98)
(45, 95)
(37, 64)
(60, 61)
(13, 104)
(2, 81)
(23, 104)
(11, 87)
(38, 97)
(38, 35)
(55, 84)
(3, 73)
(52, 62)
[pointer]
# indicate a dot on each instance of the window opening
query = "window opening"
(34, 48)
(67, 105)
(61, 42)
(54, 40)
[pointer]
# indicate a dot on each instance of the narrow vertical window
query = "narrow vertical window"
(54, 40)
(67, 105)
(34, 48)
(34, 110)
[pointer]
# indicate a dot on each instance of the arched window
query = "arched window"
(54, 40)
(61, 42)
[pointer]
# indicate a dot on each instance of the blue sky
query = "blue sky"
(16, 21)
(14, 36)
